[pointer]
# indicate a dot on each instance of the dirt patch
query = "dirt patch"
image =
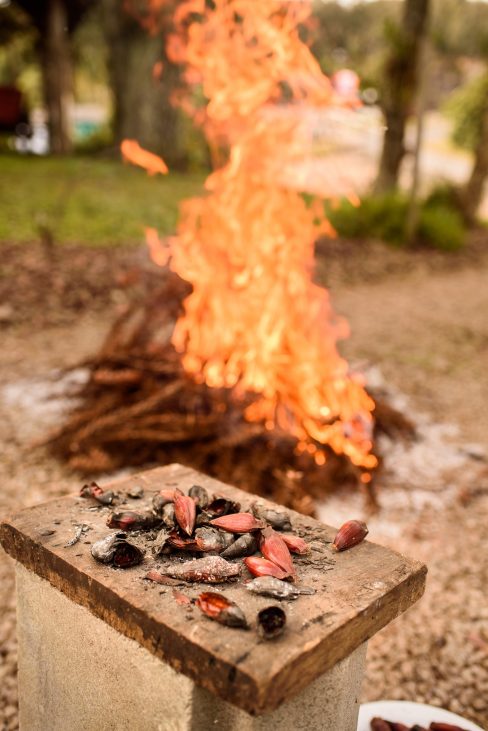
(42, 285)
(429, 334)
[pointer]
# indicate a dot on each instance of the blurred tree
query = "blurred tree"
(55, 21)
(352, 36)
(459, 27)
(17, 40)
(142, 78)
(399, 87)
(472, 192)
(466, 108)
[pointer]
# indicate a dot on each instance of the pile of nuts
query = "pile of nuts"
(215, 529)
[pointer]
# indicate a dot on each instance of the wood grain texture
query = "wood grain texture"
(357, 593)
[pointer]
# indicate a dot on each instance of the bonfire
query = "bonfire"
(232, 366)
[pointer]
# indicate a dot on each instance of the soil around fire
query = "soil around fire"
(422, 318)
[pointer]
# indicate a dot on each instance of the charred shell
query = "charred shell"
(161, 545)
(221, 506)
(136, 492)
(127, 555)
(168, 515)
(199, 495)
(210, 539)
(115, 549)
(182, 543)
(275, 518)
(223, 610)
(158, 504)
(97, 493)
(271, 622)
(275, 588)
(210, 570)
(245, 545)
(130, 520)
(104, 549)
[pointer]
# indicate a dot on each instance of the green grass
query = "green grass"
(90, 201)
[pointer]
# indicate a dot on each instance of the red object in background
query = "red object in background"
(346, 83)
(12, 111)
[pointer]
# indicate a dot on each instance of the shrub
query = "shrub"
(443, 194)
(380, 217)
(465, 108)
(384, 217)
(441, 227)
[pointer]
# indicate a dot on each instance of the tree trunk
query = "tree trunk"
(142, 107)
(472, 193)
(399, 89)
(57, 74)
(413, 212)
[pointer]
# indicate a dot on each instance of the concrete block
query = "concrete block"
(76, 673)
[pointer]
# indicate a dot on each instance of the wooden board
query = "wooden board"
(357, 593)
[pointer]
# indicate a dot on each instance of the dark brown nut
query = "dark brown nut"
(271, 622)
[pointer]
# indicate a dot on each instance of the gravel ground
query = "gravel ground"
(428, 332)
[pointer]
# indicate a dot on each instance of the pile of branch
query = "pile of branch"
(139, 407)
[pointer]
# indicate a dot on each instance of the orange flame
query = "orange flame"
(158, 250)
(134, 153)
(255, 321)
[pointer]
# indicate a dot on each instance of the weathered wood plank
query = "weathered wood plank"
(357, 593)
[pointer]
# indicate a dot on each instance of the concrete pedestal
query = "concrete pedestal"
(76, 673)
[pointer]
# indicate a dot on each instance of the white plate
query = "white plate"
(410, 714)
